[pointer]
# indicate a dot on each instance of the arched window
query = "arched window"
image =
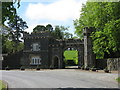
(35, 61)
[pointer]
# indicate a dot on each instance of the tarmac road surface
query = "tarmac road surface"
(61, 78)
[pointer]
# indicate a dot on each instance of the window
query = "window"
(35, 61)
(35, 47)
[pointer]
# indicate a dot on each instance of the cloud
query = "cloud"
(60, 10)
(30, 29)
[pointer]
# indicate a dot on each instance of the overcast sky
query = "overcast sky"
(54, 12)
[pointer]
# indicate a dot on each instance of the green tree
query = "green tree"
(39, 28)
(9, 46)
(17, 25)
(104, 17)
(49, 27)
(59, 32)
(13, 29)
(8, 10)
(68, 35)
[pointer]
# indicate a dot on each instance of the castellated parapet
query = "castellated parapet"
(42, 34)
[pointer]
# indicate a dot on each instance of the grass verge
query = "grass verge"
(71, 55)
(2, 85)
(118, 79)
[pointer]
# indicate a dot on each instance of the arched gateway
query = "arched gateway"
(48, 52)
(61, 45)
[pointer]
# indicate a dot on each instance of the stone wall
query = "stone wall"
(12, 60)
(101, 63)
(110, 63)
(113, 63)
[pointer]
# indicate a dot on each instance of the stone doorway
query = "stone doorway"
(56, 62)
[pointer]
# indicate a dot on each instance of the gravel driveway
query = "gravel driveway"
(60, 78)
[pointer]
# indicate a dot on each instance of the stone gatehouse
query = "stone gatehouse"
(43, 50)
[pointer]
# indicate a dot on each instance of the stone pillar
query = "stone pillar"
(80, 56)
(89, 59)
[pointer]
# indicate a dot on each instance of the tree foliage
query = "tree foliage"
(12, 28)
(105, 18)
(39, 28)
(17, 25)
(9, 46)
(49, 27)
(8, 10)
(59, 32)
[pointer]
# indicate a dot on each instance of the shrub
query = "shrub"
(7, 68)
(38, 67)
(93, 68)
(22, 68)
(87, 68)
(118, 79)
(82, 67)
(106, 70)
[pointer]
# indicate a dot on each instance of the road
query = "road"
(69, 78)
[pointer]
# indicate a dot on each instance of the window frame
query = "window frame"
(35, 61)
(35, 47)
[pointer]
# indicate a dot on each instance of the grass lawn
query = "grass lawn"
(71, 55)
(118, 79)
(2, 85)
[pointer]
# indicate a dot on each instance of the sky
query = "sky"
(54, 12)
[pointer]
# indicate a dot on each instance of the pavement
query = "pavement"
(59, 78)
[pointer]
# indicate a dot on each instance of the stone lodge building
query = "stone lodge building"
(43, 50)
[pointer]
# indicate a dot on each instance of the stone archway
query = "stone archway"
(59, 47)
(70, 56)
(80, 53)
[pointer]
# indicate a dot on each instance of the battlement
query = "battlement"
(42, 34)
